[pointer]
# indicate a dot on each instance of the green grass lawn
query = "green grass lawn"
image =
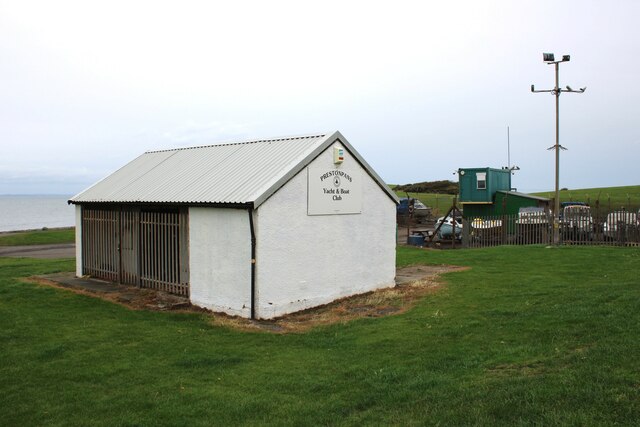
(39, 237)
(527, 335)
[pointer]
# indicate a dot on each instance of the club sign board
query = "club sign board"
(333, 191)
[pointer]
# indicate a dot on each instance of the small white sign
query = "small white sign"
(333, 191)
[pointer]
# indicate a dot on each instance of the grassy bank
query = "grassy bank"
(610, 198)
(528, 335)
(38, 237)
(439, 203)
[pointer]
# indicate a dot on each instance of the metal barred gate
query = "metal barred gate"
(163, 250)
(100, 243)
(144, 247)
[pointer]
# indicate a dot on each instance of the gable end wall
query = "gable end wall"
(305, 261)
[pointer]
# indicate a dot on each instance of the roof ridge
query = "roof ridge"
(242, 173)
(248, 141)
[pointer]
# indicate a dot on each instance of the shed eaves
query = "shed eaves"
(241, 173)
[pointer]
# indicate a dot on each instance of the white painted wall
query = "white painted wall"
(78, 241)
(305, 261)
(220, 259)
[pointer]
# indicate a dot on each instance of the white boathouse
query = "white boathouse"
(256, 228)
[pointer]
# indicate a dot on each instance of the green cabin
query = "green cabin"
(487, 192)
(479, 185)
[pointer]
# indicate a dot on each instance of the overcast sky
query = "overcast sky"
(419, 88)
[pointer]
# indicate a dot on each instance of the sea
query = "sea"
(29, 212)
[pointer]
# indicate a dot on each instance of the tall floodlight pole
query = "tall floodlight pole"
(549, 58)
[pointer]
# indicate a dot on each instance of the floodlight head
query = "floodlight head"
(569, 88)
(548, 57)
(533, 88)
(566, 58)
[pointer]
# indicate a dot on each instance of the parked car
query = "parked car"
(566, 204)
(414, 208)
(532, 225)
(620, 225)
(577, 222)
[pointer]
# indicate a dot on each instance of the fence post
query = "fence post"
(465, 233)
(504, 219)
(453, 223)
(409, 217)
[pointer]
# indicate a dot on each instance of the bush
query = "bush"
(441, 187)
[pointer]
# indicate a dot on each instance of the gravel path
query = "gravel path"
(63, 250)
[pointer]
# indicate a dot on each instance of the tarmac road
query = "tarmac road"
(62, 250)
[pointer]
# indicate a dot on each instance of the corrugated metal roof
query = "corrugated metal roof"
(526, 196)
(240, 173)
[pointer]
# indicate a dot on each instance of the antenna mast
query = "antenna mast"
(508, 150)
(549, 58)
